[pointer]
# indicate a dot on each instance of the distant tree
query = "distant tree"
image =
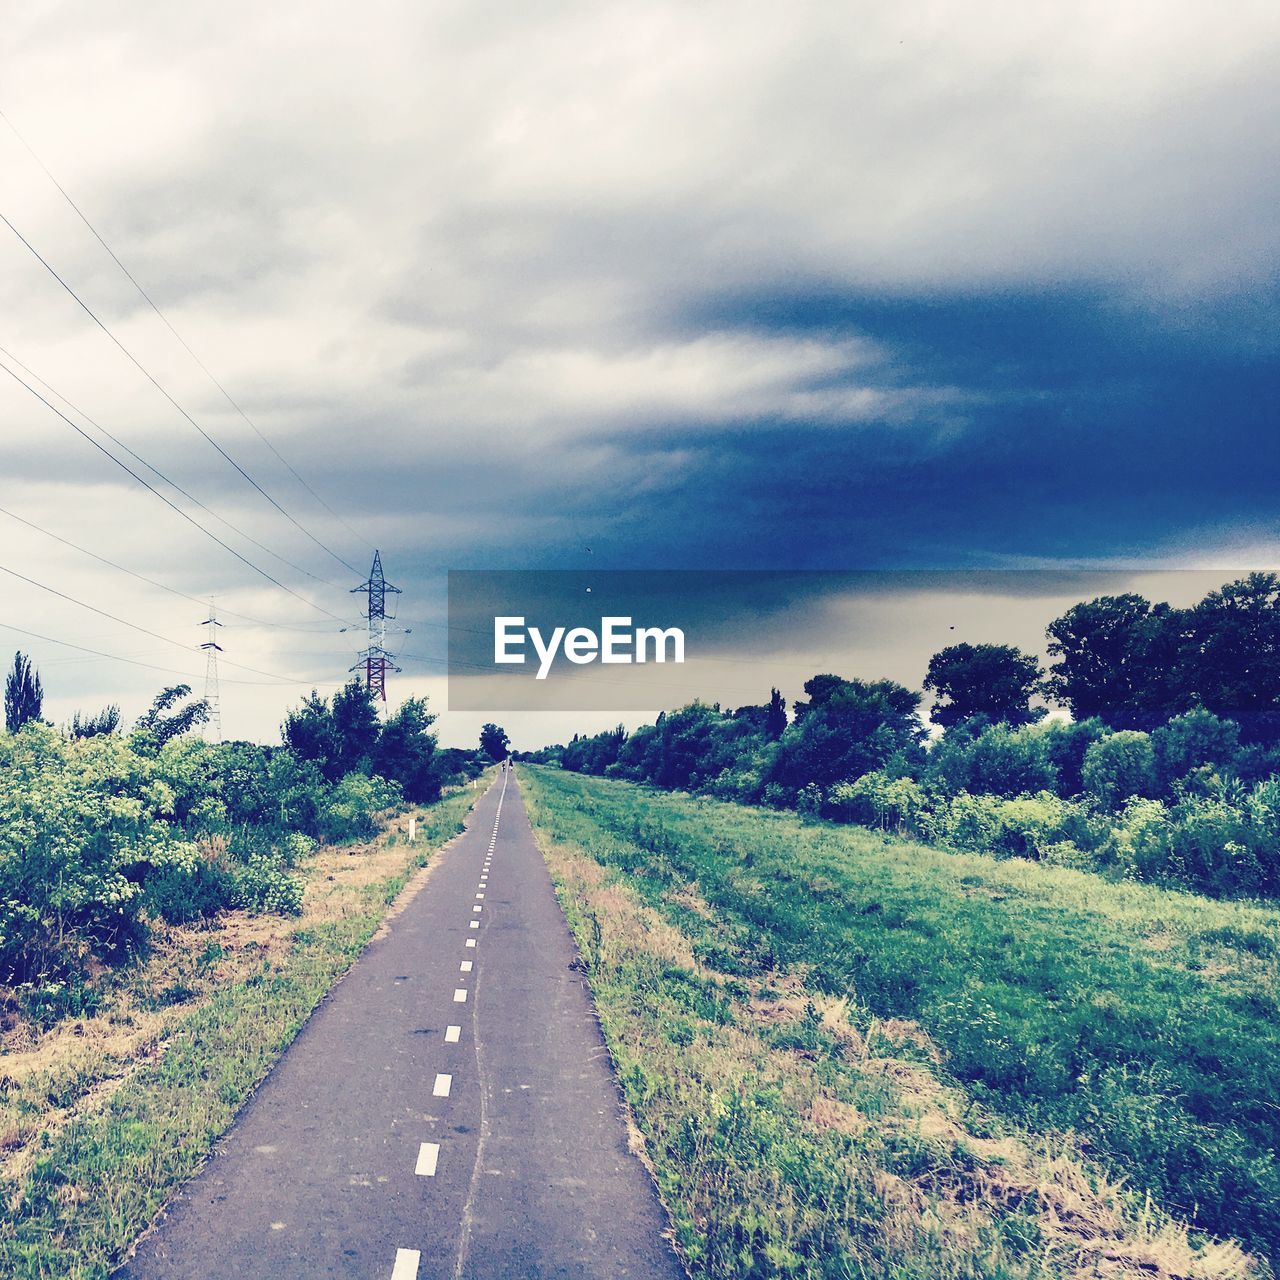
(982, 758)
(997, 681)
(165, 719)
(775, 721)
(494, 743)
(406, 752)
(23, 694)
(310, 733)
(105, 721)
(846, 729)
(1116, 659)
(1230, 663)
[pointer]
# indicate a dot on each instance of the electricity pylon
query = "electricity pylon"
(375, 661)
(212, 694)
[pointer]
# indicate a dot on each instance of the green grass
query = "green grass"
(99, 1180)
(1140, 1019)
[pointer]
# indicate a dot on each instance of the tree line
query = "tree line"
(1162, 767)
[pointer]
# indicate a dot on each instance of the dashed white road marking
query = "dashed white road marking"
(479, 895)
(442, 1086)
(465, 966)
(471, 942)
(428, 1158)
(452, 1034)
(477, 908)
(406, 1267)
(460, 996)
(475, 924)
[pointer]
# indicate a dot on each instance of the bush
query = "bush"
(1119, 766)
(263, 884)
(350, 809)
(878, 799)
(1193, 741)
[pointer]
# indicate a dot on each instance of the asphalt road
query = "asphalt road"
(448, 1111)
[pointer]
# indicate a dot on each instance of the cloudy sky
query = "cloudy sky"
(691, 285)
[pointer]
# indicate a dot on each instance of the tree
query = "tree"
(23, 694)
(775, 721)
(846, 729)
(165, 719)
(993, 680)
(1230, 663)
(406, 752)
(105, 721)
(1116, 659)
(494, 743)
(339, 738)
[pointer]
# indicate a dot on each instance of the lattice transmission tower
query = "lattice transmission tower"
(375, 661)
(212, 693)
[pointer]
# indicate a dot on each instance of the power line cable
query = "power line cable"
(97, 235)
(155, 471)
(133, 626)
(168, 502)
(151, 582)
(137, 662)
(146, 373)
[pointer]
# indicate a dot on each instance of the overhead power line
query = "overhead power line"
(150, 666)
(133, 626)
(151, 582)
(160, 475)
(167, 501)
(146, 373)
(97, 235)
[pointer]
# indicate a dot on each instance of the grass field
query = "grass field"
(102, 1118)
(854, 1055)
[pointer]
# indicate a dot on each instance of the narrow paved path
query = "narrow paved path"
(447, 1112)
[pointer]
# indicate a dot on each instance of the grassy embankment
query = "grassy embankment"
(103, 1117)
(854, 1055)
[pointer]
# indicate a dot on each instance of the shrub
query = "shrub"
(1193, 741)
(262, 885)
(1119, 766)
(348, 812)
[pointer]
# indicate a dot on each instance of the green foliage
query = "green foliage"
(406, 752)
(262, 884)
(1119, 766)
(169, 717)
(994, 759)
(1195, 740)
(995, 681)
(846, 729)
(105, 721)
(1044, 986)
(351, 809)
(494, 743)
(336, 737)
(81, 824)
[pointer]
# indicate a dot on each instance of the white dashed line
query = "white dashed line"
(442, 1086)
(460, 996)
(477, 908)
(465, 966)
(428, 1158)
(406, 1267)
(471, 942)
(452, 1034)
(479, 895)
(475, 924)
